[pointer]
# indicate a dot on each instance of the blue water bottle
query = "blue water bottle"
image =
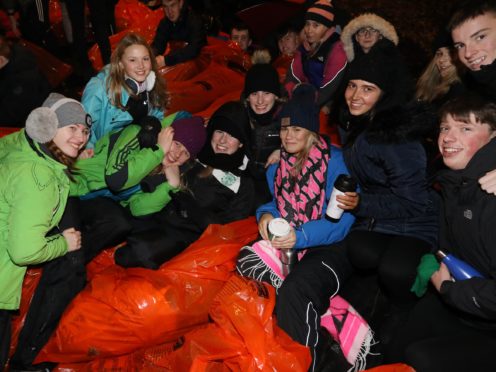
(460, 270)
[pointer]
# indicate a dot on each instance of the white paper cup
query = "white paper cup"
(278, 228)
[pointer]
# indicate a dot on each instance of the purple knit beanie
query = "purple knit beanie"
(191, 133)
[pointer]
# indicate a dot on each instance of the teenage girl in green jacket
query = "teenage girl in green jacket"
(35, 170)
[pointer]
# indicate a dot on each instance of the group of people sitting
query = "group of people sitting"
(117, 167)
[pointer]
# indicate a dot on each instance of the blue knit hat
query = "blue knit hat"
(301, 110)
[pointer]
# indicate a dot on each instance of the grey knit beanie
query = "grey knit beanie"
(56, 112)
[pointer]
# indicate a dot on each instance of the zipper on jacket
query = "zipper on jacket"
(371, 224)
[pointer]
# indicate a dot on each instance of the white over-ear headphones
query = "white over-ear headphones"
(147, 85)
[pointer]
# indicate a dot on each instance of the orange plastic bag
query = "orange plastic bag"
(228, 54)
(7, 130)
(101, 262)
(397, 367)
(186, 70)
(244, 336)
(55, 19)
(329, 129)
(134, 14)
(197, 94)
(123, 310)
(231, 96)
(281, 64)
(149, 360)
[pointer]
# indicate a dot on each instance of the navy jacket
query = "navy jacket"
(386, 157)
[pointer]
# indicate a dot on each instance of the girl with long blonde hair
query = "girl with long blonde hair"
(126, 90)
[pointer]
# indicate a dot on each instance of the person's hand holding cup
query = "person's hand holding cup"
(281, 234)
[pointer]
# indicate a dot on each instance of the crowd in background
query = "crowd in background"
(117, 165)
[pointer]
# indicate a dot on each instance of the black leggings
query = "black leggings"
(5, 331)
(395, 259)
(435, 339)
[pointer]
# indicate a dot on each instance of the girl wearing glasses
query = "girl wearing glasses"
(369, 33)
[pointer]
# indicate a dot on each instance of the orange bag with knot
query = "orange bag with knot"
(134, 14)
(243, 337)
(199, 93)
(185, 70)
(123, 310)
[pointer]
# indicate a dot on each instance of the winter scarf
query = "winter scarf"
(344, 323)
(301, 198)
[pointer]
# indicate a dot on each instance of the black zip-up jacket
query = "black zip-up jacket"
(188, 28)
(468, 230)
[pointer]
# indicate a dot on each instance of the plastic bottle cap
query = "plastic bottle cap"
(279, 227)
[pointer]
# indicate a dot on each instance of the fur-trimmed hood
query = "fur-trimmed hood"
(386, 29)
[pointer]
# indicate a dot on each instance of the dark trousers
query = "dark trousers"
(35, 25)
(435, 339)
(395, 259)
(102, 223)
(157, 238)
(103, 24)
(305, 293)
(5, 331)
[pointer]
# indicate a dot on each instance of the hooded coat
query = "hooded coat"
(467, 231)
(385, 155)
(33, 196)
(387, 45)
(386, 29)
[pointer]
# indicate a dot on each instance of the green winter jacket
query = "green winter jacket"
(33, 194)
(118, 165)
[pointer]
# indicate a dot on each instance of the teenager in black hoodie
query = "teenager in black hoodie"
(455, 328)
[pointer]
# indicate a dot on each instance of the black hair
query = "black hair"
(460, 108)
(469, 9)
(240, 26)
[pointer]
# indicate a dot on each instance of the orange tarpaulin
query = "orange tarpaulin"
(123, 310)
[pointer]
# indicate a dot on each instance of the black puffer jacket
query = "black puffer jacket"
(468, 223)
(385, 155)
(189, 28)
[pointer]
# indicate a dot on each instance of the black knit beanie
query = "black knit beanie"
(442, 40)
(231, 118)
(301, 110)
(376, 68)
(262, 77)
